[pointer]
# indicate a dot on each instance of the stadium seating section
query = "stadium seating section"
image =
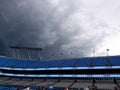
(83, 62)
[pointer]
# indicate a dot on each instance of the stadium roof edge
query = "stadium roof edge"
(29, 48)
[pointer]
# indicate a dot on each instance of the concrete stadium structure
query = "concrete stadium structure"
(88, 73)
(94, 73)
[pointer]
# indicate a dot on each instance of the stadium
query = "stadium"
(59, 45)
(88, 73)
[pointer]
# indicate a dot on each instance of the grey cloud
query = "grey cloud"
(39, 23)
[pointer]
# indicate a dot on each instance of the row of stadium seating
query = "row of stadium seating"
(83, 62)
(49, 84)
(7, 88)
(14, 88)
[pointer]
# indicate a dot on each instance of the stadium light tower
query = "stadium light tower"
(108, 62)
(92, 60)
(107, 52)
(93, 53)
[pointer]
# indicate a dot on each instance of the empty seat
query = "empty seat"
(83, 62)
(115, 60)
(82, 83)
(105, 84)
(100, 61)
(69, 63)
(56, 63)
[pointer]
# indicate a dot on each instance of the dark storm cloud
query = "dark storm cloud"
(48, 24)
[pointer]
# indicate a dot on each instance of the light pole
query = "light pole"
(93, 53)
(107, 52)
(108, 62)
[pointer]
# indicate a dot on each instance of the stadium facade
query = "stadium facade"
(90, 73)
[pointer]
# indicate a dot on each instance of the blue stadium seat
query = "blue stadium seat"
(4, 88)
(83, 62)
(55, 63)
(100, 61)
(10, 63)
(115, 60)
(3, 61)
(69, 63)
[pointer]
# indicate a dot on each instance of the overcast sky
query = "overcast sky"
(61, 26)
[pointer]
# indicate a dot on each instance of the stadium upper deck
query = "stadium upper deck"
(97, 66)
(111, 61)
